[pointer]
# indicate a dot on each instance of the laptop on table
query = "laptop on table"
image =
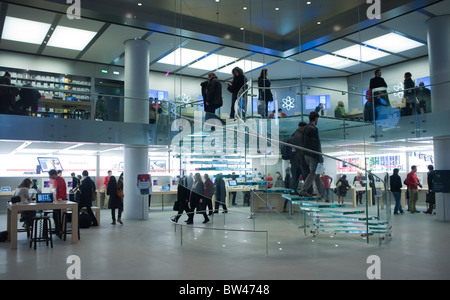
(44, 198)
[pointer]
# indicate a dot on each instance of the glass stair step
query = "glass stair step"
(351, 226)
(372, 221)
(342, 230)
(320, 204)
(334, 211)
(296, 199)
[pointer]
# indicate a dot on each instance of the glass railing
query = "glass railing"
(251, 144)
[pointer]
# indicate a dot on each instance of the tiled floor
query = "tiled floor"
(152, 249)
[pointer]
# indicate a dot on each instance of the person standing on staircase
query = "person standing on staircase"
(310, 140)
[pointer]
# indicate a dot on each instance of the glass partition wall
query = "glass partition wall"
(345, 61)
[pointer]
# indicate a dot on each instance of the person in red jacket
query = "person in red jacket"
(60, 195)
(105, 182)
(412, 183)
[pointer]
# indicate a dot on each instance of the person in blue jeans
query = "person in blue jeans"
(395, 183)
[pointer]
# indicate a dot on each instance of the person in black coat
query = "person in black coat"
(265, 94)
(220, 192)
(29, 97)
(410, 95)
(87, 192)
(342, 187)
(197, 199)
(115, 202)
(395, 182)
(212, 95)
(297, 160)
(7, 94)
(310, 140)
(234, 87)
(431, 197)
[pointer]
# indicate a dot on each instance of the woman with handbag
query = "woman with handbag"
(115, 192)
(342, 187)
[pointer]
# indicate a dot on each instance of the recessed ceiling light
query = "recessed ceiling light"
(213, 62)
(182, 56)
(277, 8)
(361, 53)
(332, 61)
(71, 38)
(393, 42)
(245, 65)
(26, 31)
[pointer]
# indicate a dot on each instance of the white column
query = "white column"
(439, 56)
(136, 110)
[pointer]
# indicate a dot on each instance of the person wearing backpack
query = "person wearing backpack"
(310, 140)
(298, 165)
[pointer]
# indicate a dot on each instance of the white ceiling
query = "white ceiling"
(108, 46)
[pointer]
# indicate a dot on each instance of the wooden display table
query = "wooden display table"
(270, 200)
(14, 209)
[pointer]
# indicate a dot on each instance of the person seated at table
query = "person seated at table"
(339, 111)
(23, 192)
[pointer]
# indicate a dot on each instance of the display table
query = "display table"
(239, 188)
(156, 191)
(270, 200)
(14, 209)
(403, 198)
(354, 191)
(5, 197)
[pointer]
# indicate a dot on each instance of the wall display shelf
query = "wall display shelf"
(62, 96)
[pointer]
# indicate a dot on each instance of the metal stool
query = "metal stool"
(44, 224)
(65, 220)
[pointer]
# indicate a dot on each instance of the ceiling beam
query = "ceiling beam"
(92, 42)
(55, 23)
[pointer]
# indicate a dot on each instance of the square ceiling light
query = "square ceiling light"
(331, 61)
(182, 56)
(361, 53)
(26, 31)
(245, 65)
(213, 62)
(70, 38)
(393, 42)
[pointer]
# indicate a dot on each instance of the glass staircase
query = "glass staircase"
(337, 218)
